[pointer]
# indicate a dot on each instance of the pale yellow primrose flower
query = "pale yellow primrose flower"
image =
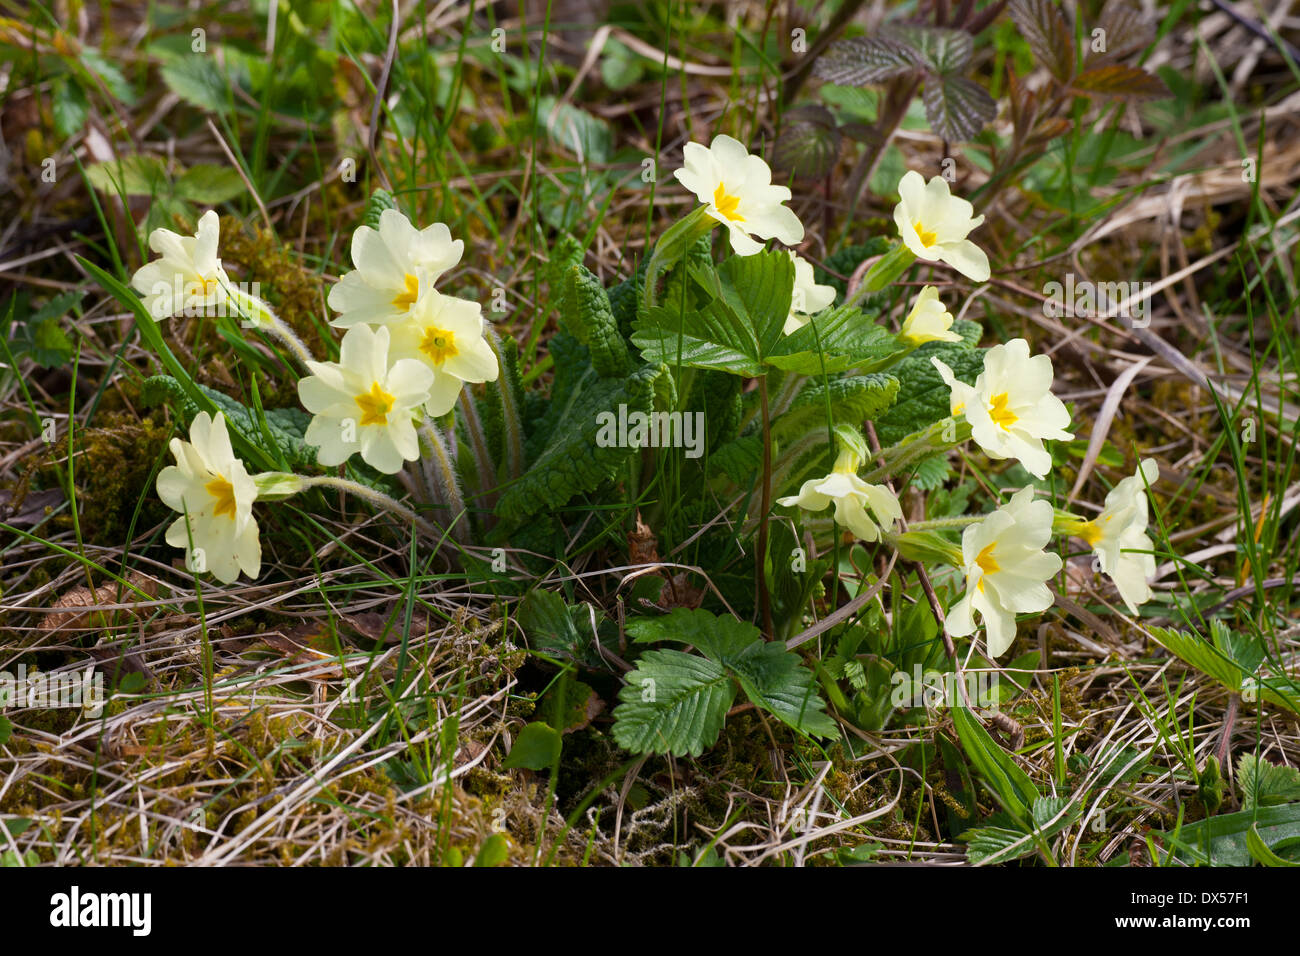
(446, 334)
(211, 487)
(736, 189)
(187, 278)
(852, 498)
(395, 264)
(807, 298)
(1006, 570)
(1011, 408)
(361, 404)
(1120, 530)
(934, 225)
(929, 320)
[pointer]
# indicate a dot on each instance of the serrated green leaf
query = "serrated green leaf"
(70, 106)
(837, 340)
(1263, 784)
(776, 680)
(771, 676)
(197, 81)
(673, 702)
(738, 326)
(552, 626)
(714, 636)
(931, 473)
(986, 846)
(1205, 657)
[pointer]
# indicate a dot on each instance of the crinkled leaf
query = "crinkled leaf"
(1116, 79)
(853, 400)
(986, 846)
(740, 459)
(573, 462)
(588, 315)
(923, 398)
(1048, 34)
(944, 52)
(286, 426)
(809, 144)
(858, 61)
(957, 108)
(1126, 29)
(379, 200)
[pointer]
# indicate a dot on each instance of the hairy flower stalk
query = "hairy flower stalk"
(514, 429)
(940, 437)
(439, 470)
(260, 316)
(374, 497)
(483, 463)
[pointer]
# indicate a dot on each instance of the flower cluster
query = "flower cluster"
(408, 349)
(1010, 408)
(407, 352)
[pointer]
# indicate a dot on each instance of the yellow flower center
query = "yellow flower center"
(405, 299)
(438, 344)
(224, 492)
(1002, 416)
(727, 204)
(927, 238)
(987, 563)
(1090, 531)
(375, 405)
